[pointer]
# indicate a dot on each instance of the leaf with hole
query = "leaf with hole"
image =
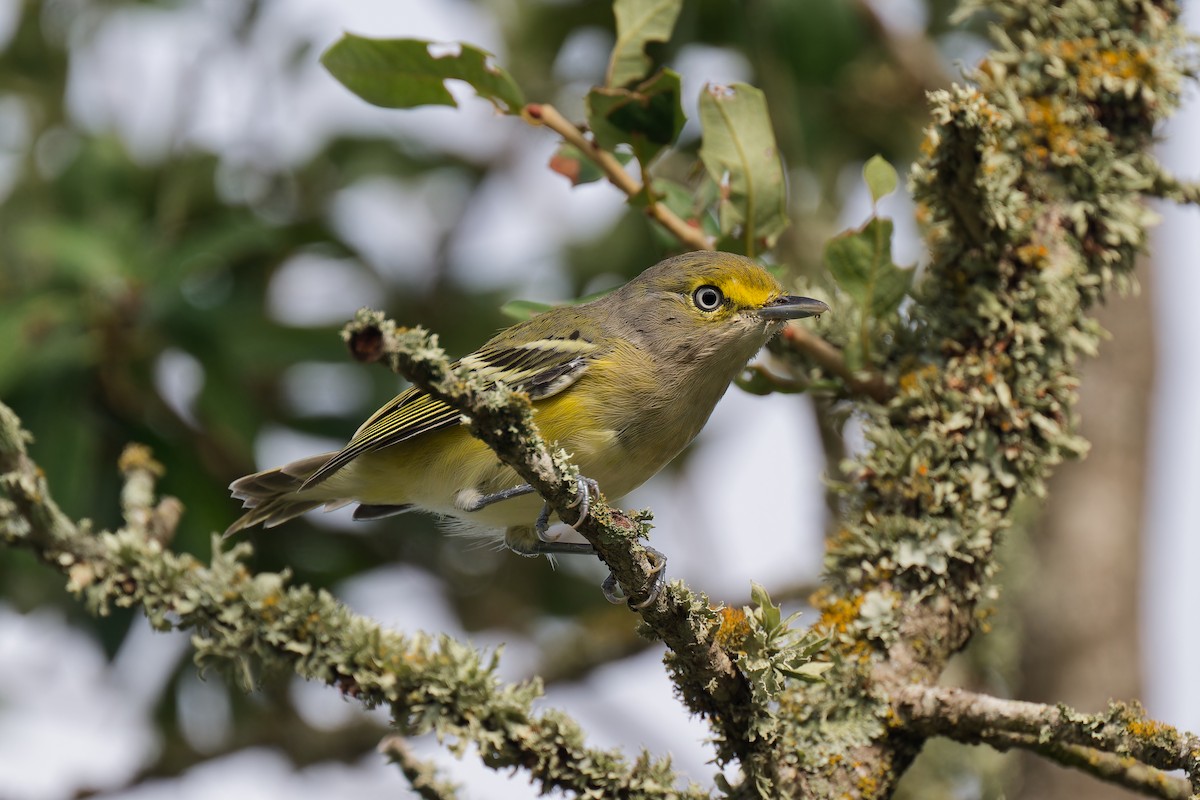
(404, 73)
(639, 22)
(740, 154)
(649, 116)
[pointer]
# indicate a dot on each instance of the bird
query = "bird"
(622, 383)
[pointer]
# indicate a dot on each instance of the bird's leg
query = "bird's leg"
(483, 501)
(547, 545)
(615, 593)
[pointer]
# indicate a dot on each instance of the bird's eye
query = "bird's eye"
(708, 298)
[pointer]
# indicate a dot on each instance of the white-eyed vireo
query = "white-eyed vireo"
(623, 383)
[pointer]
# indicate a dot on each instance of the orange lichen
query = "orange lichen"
(1035, 255)
(1099, 66)
(733, 629)
(1146, 728)
(838, 613)
(910, 381)
(1050, 133)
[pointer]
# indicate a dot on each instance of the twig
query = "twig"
(546, 114)
(1168, 187)
(141, 471)
(1120, 770)
(829, 358)
(422, 775)
(1123, 733)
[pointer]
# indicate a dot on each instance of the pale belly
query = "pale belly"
(447, 471)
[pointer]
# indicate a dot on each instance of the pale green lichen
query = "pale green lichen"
(1031, 196)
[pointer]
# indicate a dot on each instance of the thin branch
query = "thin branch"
(422, 775)
(242, 621)
(1123, 732)
(1120, 770)
(829, 358)
(546, 114)
(1168, 187)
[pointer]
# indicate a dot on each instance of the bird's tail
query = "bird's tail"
(274, 496)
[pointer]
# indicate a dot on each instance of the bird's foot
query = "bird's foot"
(615, 593)
(585, 487)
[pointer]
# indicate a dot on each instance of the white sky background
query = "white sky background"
(92, 728)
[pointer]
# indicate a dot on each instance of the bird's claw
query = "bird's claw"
(582, 499)
(615, 593)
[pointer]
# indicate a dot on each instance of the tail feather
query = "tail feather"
(273, 496)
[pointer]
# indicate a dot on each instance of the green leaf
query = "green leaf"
(880, 177)
(402, 73)
(739, 153)
(861, 263)
(639, 22)
(648, 116)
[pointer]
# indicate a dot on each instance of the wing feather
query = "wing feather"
(542, 368)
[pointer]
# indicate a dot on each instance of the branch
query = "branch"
(242, 621)
(710, 683)
(867, 383)
(1168, 187)
(1129, 748)
(422, 775)
(1119, 770)
(1030, 193)
(546, 114)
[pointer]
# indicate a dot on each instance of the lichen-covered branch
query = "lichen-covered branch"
(1127, 748)
(1120, 770)
(1168, 187)
(243, 622)
(706, 676)
(422, 776)
(1031, 194)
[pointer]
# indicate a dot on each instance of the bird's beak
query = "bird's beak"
(791, 307)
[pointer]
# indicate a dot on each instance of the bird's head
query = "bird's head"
(700, 304)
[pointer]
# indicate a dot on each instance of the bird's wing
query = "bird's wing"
(541, 368)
